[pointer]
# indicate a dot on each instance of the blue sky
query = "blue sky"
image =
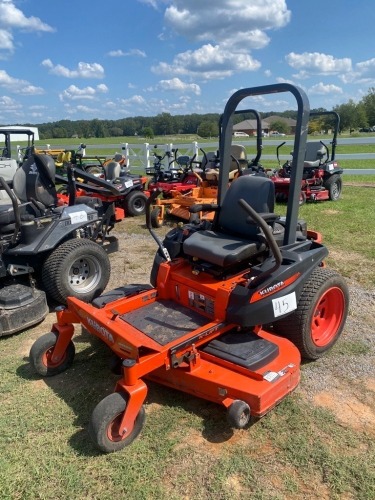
(85, 59)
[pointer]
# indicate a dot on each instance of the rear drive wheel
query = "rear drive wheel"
(135, 203)
(315, 326)
(155, 217)
(77, 268)
(238, 414)
(41, 356)
(105, 422)
(334, 185)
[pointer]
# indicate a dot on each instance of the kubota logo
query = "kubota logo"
(101, 330)
(272, 288)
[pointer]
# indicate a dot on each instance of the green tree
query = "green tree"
(368, 103)
(148, 132)
(208, 129)
(280, 126)
(351, 115)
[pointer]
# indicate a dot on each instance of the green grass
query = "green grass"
(347, 227)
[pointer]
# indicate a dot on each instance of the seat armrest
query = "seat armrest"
(268, 217)
(203, 207)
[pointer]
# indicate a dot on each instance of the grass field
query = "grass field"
(306, 448)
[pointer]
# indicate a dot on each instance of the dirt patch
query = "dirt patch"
(348, 410)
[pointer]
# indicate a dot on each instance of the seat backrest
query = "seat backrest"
(258, 192)
(209, 161)
(239, 152)
(35, 179)
(112, 170)
(67, 158)
(314, 151)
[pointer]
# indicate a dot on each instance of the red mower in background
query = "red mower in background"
(321, 179)
(180, 179)
(232, 306)
(114, 186)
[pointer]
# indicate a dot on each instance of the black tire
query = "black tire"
(334, 185)
(40, 356)
(316, 325)
(104, 419)
(135, 203)
(155, 219)
(238, 414)
(77, 268)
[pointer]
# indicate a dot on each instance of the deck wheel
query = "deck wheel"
(105, 422)
(238, 414)
(41, 356)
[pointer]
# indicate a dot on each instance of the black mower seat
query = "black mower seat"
(35, 180)
(314, 155)
(232, 239)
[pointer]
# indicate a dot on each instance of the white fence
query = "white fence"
(142, 155)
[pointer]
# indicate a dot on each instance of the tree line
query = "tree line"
(352, 116)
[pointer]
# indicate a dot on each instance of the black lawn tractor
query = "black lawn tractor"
(48, 249)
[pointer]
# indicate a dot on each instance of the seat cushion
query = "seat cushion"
(221, 249)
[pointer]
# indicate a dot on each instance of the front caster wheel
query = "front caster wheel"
(105, 422)
(156, 217)
(41, 356)
(238, 414)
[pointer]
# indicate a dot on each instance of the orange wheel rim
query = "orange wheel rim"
(327, 317)
(47, 359)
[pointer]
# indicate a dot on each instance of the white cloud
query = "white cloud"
(73, 92)
(84, 70)
(365, 67)
(7, 104)
(324, 89)
(317, 63)
(12, 18)
(131, 52)
(208, 62)
(223, 21)
(180, 86)
(228, 29)
(153, 3)
(18, 86)
(364, 73)
(135, 99)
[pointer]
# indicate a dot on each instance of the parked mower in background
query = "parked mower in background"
(113, 186)
(9, 160)
(232, 304)
(321, 179)
(198, 182)
(48, 249)
(181, 178)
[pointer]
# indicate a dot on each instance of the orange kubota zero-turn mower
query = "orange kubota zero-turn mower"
(232, 306)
